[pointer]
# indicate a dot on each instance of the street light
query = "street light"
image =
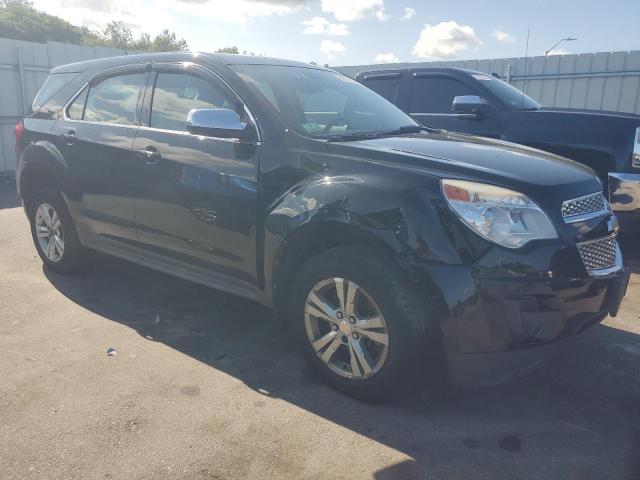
(568, 39)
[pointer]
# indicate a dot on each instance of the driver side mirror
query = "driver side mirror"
(216, 122)
(470, 104)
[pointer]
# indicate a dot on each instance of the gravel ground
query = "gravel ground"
(204, 387)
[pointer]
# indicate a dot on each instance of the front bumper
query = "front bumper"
(508, 311)
(624, 197)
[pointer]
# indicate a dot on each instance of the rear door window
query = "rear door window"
(436, 94)
(115, 99)
(384, 86)
(175, 94)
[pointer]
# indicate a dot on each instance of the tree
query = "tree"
(13, 3)
(228, 50)
(21, 21)
(117, 35)
(167, 42)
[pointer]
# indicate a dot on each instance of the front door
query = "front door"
(431, 103)
(197, 201)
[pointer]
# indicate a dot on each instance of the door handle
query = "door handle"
(150, 154)
(69, 137)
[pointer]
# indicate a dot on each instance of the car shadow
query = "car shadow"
(577, 416)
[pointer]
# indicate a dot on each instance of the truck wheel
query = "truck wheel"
(358, 323)
(54, 234)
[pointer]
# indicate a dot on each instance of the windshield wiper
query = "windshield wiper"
(410, 129)
(405, 129)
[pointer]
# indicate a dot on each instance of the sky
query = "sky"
(352, 32)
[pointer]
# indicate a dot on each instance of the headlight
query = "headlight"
(635, 156)
(503, 216)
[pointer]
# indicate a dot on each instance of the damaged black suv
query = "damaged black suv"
(391, 248)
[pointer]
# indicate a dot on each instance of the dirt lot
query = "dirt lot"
(203, 387)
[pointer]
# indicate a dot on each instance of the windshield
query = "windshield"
(510, 95)
(320, 103)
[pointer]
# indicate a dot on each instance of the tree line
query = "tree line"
(20, 20)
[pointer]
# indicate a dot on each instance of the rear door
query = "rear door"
(431, 102)
(197, 199)
(95, 137)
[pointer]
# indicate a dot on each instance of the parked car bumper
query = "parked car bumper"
(624, 197)
(497, 322)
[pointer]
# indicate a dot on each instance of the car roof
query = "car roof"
(212, 58)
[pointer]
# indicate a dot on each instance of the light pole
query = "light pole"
(568, 39)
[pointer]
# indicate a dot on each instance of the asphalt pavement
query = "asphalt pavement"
(202, 385)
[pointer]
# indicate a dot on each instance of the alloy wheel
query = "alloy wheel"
(346, 328)
(49, 232)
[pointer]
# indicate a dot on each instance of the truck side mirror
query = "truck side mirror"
(470, 104)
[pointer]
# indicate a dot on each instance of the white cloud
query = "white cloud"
(96, 14)
(445, 40)
(332, 49)
(352, 10)
(386, 58)
(503, 37)
(409, 13)
(320, 25)
(382, 15)
(153, 17)
(233, 11)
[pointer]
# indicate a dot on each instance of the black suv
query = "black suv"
(390, 248)
(473, 102)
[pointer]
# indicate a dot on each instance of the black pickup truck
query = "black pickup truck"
(472, 102)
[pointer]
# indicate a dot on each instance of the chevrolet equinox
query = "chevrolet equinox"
(390, 247)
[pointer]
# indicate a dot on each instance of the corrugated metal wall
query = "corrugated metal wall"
(602, 81)
(23, 68)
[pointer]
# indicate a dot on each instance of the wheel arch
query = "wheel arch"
(325, 214)
(41, 166)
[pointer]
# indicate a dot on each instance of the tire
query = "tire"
(73, 257)
(380, 283)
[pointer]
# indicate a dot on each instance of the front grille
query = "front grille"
(599, 254)
(583, 205)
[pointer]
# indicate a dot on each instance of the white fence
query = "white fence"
(23, 68)
(603, 81)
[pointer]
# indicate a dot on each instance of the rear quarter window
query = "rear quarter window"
(51, 86)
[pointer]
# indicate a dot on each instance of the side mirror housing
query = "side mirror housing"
(216, 122)
(470, 104)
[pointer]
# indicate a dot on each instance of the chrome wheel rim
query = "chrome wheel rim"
(346, 328)
(49, 232)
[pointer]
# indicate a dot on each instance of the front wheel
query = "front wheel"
(359, 323)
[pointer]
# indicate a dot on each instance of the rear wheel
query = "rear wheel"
(358, 323)
(54, 233)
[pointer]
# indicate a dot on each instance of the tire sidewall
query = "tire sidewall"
(72, 248)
